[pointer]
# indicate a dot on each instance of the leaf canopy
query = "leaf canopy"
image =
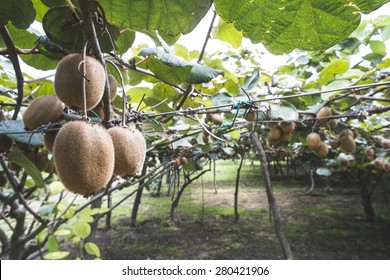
(283, 26)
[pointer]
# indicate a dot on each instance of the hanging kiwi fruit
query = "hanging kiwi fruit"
(68, 81)
(324, 113)
(130, 150)
(83, 157)
(43, 110)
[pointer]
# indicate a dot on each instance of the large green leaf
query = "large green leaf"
(283, 26)
(169, 17)
(227, 33)
(285, 113)
(45, 59)
(21, 13)
(17, 156)
(175, 70)
(63, 28)
(15, 130)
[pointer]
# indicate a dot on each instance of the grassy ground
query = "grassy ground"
(323, 225)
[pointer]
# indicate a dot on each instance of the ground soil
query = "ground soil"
(320, 225)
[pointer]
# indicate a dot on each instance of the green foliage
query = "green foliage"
(20, 13)
(303, 24)
(170, 18)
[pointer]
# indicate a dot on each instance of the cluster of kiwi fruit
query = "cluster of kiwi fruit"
(323, 116)
(381, 164)
(181, 160)
(87, 155)
(345, 140)
(216, 119)
(316, 143)
(282, 131)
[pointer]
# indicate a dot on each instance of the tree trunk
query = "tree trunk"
(271, 199)
(236, 215)
(137, 200)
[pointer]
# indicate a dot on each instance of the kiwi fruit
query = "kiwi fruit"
(216, 119)
(386, 143)
(98, 112)
(3, 180)
(313, 140)
(130, 150)
(83, 157)
(183, 160)
(206, 138)
(176, 162)
(332, 123)
(271, 141)
(334, 144)
(346, 132)
(387, 167)
(347, 143)
(68, 81)
(43, 110)
(275, 133)
(250, 116)
(48, 139)
(379, 163)
(322, 151)
(40, 160)
(113, 86)
(50, 167)
(323, 113)
(286, 136)
(369, 152)
(5, 143)
(287, 127)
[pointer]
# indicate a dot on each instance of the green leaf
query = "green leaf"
(92, 249)
(284, 113)
(385, 64)
(202, 74)
(175, 70)
(46, 210)
(251, 81)
(62, 232)
(125, 41)
(52, 244)
(81, 229)
(227, 33)
(17, 156)
(21, 13)
(283, 26)
(25, 39)
(56, 187)
(170, 18)
(16, 131)
(338, 66)
(56, 255)
(61, 26)
(378, 47)
(222, 99)
(136, 94)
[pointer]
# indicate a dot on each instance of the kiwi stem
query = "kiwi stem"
(13, 57)
(84, 71)
(124, 100)
(94, 42)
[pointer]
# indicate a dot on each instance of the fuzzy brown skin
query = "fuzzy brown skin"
(287, 127)
(43, 110)
(217, 119)
(113, 86)
(48, 140)
(322, 151)
(323, 113)
(68, 81)
(275, 133)
(84, 157)
(380, 163)
(313, 140)
(347, 143)
(130, 150)
(5, 143)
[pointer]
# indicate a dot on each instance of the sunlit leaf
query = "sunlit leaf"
(56, 255)
(92, 249)
(81, 229)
